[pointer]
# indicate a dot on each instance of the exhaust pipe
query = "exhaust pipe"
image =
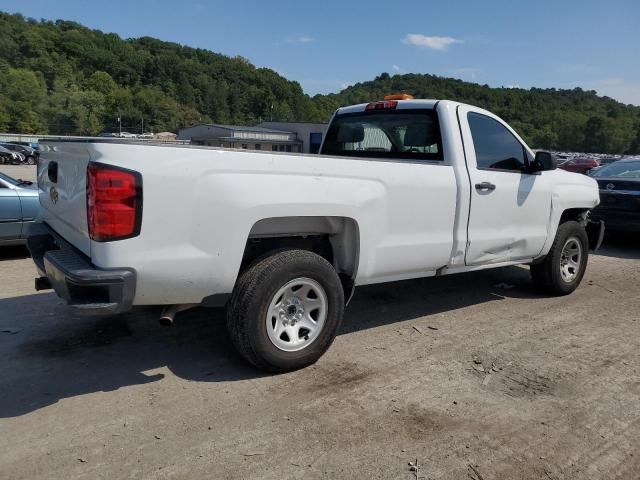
(169, 312)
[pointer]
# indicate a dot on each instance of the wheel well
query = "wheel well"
(336, 239)
(577, 214)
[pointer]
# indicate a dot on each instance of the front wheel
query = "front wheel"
(285, 310)
(562, 269)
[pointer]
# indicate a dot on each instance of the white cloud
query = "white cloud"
(397, 68)
(434, 43)
(299, 39)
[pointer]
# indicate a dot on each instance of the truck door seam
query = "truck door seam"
(466, 164)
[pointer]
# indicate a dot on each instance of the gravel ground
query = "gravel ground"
(474, 375)
(25, 172)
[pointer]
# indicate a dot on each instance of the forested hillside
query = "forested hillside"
(60, 77)
(63, 78)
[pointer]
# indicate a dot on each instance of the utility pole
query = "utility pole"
(142, 127)
(120, 125)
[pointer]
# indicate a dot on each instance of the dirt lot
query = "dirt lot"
(125, 398)
(19, 171)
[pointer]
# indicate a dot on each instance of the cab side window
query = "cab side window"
(496, 147)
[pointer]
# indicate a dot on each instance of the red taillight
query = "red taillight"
(386, 105)
(114, 202)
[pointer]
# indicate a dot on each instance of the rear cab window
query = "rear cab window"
(405, 134)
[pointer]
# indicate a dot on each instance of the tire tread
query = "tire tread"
(244, 296)
(545, 275)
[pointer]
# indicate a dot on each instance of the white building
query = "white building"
(234, 136)
(310, 134)
(273, 136)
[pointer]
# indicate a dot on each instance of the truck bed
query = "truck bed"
(201, 204)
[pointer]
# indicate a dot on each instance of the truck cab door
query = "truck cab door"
(510, 207)
(10, 213)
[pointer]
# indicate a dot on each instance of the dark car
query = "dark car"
(608, 160)
(33, 145)
(30, 155)
(10, 157)
(579, 165)
(619, 184)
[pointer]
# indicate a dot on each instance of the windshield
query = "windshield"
(620, 169)
(403, 134)
(9, 146)
(8, 179)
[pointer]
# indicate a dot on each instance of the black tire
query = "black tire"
(254, 291)
(547, 274)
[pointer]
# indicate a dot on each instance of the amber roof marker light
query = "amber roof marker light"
(398, 96)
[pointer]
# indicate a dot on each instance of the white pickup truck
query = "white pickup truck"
(401, 189)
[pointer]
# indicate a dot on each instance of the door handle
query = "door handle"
(485, 187)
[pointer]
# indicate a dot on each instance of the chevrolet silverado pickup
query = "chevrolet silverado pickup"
(401, 189)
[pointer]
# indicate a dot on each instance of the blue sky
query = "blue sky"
(328, 44)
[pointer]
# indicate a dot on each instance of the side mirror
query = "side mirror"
(544, 161)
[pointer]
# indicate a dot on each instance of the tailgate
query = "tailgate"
(62, 179)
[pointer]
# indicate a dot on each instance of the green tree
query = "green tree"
(103, 83)
(23, 97)
(5, 120)
(87, 109)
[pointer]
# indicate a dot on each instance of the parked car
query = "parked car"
(30, 155)
(9, 157)
(607, 160)
(19, 207)
(579, 165)
(6, 156)
(146, 135)
(603, 162)
(34, 145)
(127, 135)
(619, 185)
(400, 189)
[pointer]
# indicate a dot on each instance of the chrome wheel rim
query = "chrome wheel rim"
(297, 313)
(570, 259)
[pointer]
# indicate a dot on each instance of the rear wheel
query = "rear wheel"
(285, 310)
(562, 270)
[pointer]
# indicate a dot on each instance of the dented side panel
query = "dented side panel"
(511, 221)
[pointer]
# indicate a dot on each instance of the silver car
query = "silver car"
(19, 205)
